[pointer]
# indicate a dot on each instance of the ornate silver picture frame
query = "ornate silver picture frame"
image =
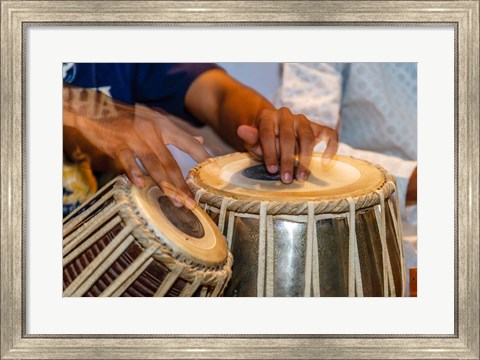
(16, 16)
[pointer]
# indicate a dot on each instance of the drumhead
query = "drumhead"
(241, 177)
(189, 232)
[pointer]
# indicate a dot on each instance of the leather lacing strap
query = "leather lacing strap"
(223, 213)
(309, 249)
(388, 283)
(80, 244)
(315, 261)
(231, 223)
(355, 285)
(270, 258)
(262, 249)
(399, 234)
(96, 200)
(101, 263)
(130, 274)
(199, 194)
(83, 231)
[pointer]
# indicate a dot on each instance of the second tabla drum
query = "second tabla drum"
(127, 241)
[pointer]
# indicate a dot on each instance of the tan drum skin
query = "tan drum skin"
(209, 249)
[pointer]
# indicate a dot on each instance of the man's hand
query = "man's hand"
(247, 120)
(127, 133)
(280, 135)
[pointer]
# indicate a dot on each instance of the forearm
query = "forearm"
(221, 102)
(239, 106)
(76, 147)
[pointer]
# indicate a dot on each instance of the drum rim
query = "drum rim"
(327, 204)
(146, 234)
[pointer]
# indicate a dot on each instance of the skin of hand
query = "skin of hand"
(125, 133)
(247, 120)
(236, 112)
(412, 189)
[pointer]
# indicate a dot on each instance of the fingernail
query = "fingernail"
(272, 169)
(302, 176)
(287, 177)
(176, 203)
(326, 162)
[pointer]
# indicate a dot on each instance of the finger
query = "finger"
(174, 172)
(164, 171)
(200, 139)
(249, 135)
(306, 141)
(127, 159)
(189, 144)
(162, 175)
(164, 131)
(160, 163)
(268, 141)
(331, 138)
(180, 198)
(287, 146)
(156, 145)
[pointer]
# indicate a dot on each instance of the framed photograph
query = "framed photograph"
(39, 40)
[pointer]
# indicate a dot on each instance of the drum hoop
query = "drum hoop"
(146, 236)
(291, 207)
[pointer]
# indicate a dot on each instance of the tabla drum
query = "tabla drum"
(336, 234)
(127, 241)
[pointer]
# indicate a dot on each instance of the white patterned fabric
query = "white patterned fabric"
(372, 105)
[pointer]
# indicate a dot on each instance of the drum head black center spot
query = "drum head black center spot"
(259, 172)
(182, 218)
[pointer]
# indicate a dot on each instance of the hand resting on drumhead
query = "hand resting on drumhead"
(127, 133)
(248, 121)
(281, 134)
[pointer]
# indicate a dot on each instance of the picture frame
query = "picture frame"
(16, 17)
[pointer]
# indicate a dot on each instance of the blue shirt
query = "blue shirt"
(162, 85)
